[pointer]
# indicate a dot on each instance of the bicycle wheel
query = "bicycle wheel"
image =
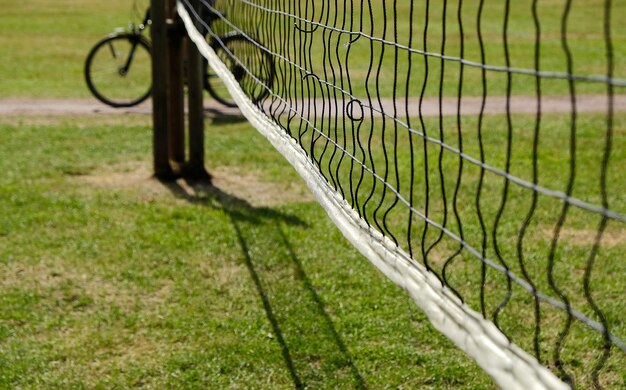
(118, 70)
(244, 58)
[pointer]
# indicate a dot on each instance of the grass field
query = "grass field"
(109, 279)
(363, 66)
(502, 230)
(553, 258)
(45, 44)
(58, 36)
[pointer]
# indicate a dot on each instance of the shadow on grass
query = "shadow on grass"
(248, 219)
(224, 115)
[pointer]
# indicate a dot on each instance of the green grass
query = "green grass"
(392, 161)
(344, 61)
(129, 284)
(161, 287)
(45, 55)
(45, 44)
(110, 280)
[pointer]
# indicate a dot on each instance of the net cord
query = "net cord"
(508, 365)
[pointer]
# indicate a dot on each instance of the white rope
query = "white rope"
(509, 365)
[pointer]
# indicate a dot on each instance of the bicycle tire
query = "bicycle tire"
(104, 70)
(253, 60)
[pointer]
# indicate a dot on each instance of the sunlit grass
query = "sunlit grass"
(111, 279)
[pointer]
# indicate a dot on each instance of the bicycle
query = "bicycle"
(118, 67)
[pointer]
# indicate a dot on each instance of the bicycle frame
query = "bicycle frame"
(135, 34)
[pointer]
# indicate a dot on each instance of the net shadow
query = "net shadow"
(248, 222)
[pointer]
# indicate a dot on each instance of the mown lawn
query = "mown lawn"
(513, 226)
(45, 44)
(111, 279)
(453, 28)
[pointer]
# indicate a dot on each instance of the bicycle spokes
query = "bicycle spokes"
(112, 49)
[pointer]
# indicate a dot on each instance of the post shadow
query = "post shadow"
(240, 211)
(360, 382)
(269, 312)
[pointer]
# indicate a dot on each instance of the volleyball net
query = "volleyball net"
(471, 150)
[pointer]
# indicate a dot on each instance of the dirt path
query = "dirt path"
(430, 107)
(87, 106)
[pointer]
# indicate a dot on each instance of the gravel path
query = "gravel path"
(430, 107)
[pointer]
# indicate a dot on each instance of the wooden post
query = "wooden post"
(168, 97)
(195, 72)
(158, 31)
(176, 101)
